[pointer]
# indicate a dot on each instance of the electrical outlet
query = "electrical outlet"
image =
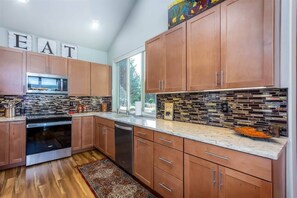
(225, 107)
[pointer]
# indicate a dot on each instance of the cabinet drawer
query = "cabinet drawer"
(105, 122)
(167, 185)
(246, 163)
(169, 140)
(169, 160)
(144, 133)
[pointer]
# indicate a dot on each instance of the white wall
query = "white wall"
(84, 53)
(147, 19)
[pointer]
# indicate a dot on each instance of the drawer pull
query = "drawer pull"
(142, 141)
(220, 182)
(165, 187)
(166, 141)
(215, 155)
(165, 160)
(213, 174)
(141, 133)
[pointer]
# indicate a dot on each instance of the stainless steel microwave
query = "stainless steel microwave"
(44, 83)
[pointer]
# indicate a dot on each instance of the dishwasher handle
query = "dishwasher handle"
(124, 127)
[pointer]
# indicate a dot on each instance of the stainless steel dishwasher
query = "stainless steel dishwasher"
(124, 146)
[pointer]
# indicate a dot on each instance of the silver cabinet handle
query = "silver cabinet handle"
(220, 181)
(159, 85)
(217, 79)
(213, 175)
(222, 77)
(142, 141)
(215, 155)
(166, 141)
(165, 187)
(165, 160)
(141, 133)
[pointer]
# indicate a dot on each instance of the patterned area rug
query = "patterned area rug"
(107, 180)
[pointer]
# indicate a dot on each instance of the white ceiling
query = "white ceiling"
(67, 20)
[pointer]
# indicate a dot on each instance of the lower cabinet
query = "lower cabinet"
(104, 137)
(12, 143)
(82, 133)
(143, 160)
(218, 181)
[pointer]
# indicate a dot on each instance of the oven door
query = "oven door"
(43, 137)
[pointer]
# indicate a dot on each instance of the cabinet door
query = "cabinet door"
(4, 143)
(76, 134)
(87, 132)
(175, 69)
(12, 71)
(233, 184)
(17, 142)
(203, 50)
(200, 179)
(155, 64)
(110, 142)
(79, 75)
(143, 160)
(100, 80)
(247, 43)
(37, 63)
(98, 127)
(57, 65)
(102, 138)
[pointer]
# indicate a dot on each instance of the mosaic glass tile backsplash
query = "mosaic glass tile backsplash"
(257, 108)
(44, 104)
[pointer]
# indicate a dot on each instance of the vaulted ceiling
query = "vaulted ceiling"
(67, 20)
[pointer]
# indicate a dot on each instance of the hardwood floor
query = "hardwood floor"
(55, 179)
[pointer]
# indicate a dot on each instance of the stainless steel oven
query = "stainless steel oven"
(43, 83)
(48, 138)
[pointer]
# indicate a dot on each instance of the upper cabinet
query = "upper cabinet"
(12, 71)
(79, 78)
(100, 80)
(166, 61)
(247, 36)
(232, 45)
(204, 50)
(45, 64)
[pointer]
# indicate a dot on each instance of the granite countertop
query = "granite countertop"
(14, 119)
(218, 136)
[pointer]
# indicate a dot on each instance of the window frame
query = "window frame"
(117, 82)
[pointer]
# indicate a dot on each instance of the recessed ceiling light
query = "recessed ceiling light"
(95, 24)
(23, 1)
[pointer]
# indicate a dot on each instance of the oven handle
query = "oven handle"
(47, 124)
(124, 127)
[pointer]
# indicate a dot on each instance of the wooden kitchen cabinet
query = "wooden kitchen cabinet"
(105, 137)
(207, 172)
(101, 84)
(247, 53)
(82, 133)
(166, 61)
(143, 160)
(175, 73)
(57, 66)
(76, 134)
(155, 63)
(204, 50)
(12, 71)
(4, 143)
(98, 128)
(87, 130)
(233, 184)
(17, 142)
(79, 78)
(37, 63)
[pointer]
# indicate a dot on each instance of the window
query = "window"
(131, 86)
